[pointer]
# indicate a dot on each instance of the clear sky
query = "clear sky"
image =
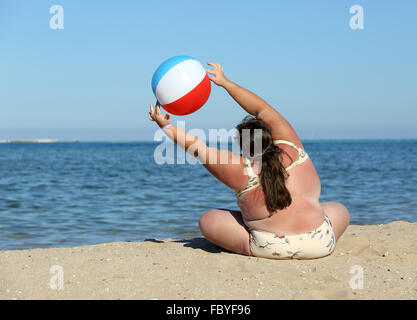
(92, 79)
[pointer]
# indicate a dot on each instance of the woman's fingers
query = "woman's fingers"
(158, 110)
(215, 65)
(151, 114)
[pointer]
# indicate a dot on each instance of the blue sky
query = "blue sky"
(91, 80)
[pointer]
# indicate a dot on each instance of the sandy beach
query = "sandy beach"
(370, 262)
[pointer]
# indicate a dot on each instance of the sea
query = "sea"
(71, 194)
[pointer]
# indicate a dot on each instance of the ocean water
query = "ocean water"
(70, 194)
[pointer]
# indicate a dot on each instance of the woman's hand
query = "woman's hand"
(157, 116)
(218, 74)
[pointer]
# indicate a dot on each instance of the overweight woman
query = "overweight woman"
(277, 188)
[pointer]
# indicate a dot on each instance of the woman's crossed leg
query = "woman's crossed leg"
(226, 229)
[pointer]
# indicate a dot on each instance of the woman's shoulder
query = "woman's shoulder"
(288, 155)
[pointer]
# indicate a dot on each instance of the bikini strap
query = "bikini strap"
(290, 144)
(302, 155)
(253, 179)
(249, 168)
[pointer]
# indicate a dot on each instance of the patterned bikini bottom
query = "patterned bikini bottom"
(314, 244)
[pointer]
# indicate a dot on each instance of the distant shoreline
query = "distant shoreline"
(151, 141)
(30, 141)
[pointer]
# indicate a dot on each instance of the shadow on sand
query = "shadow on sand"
(195, 243)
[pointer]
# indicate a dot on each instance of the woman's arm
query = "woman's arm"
(223, 164)
(255, 105)
(190, 143)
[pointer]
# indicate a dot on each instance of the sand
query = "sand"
(370, 262)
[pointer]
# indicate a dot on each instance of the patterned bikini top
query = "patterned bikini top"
(254, 180)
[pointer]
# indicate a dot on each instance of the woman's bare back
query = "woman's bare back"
(303, 215)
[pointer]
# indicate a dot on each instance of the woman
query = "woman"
(278, 193)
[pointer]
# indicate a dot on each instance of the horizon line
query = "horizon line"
(55, 141)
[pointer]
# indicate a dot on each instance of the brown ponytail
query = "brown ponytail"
(273, 173)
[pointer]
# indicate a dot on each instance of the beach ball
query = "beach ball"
(181, 85)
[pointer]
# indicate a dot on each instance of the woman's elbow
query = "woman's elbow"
(198, 149)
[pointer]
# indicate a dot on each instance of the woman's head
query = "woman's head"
(256, 143)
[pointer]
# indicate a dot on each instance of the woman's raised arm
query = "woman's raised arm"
(225, 165)
(254, 105)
